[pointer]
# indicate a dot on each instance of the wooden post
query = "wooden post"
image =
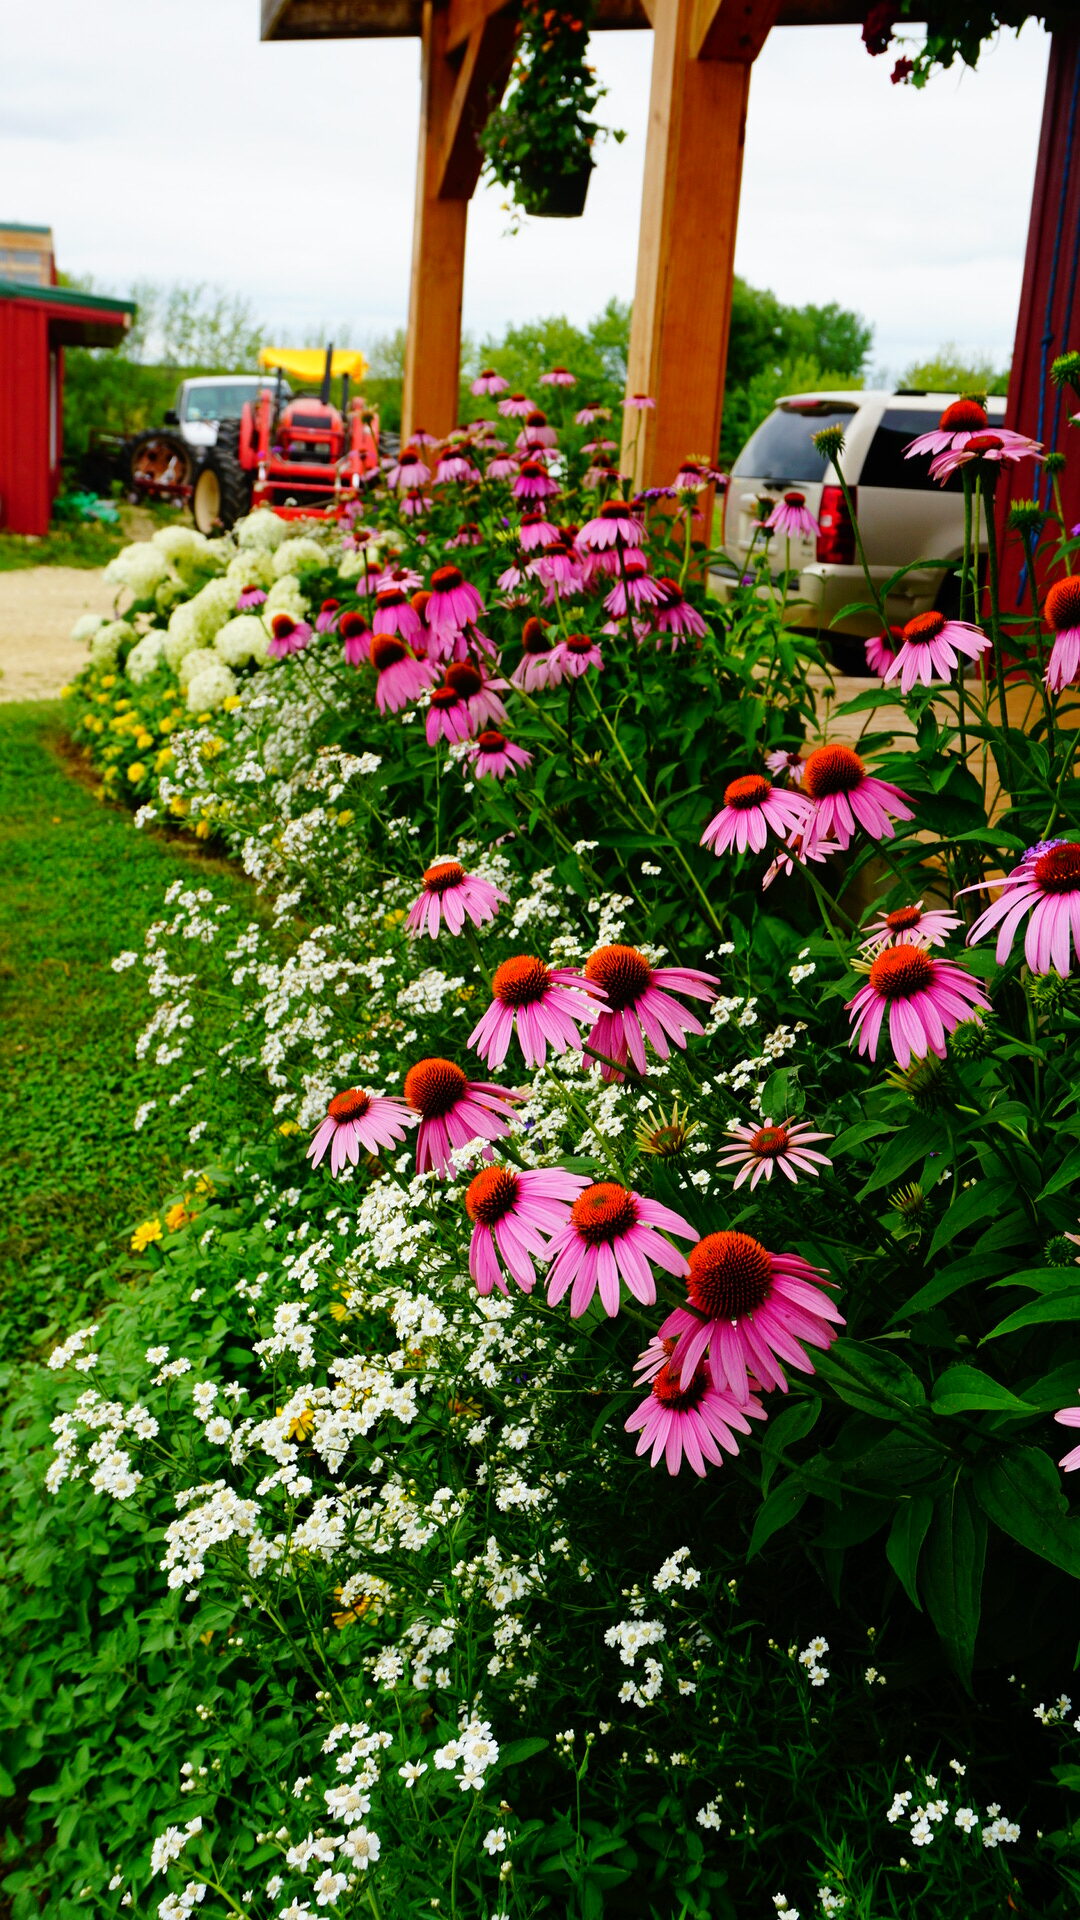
(702, 53)
(433, 342)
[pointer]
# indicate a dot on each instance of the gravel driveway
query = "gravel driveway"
(38, 608)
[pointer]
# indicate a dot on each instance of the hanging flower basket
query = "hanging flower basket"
(558, 196)
(538, 141)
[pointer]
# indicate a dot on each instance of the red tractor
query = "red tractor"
(305, 459)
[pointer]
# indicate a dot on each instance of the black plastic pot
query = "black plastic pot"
(556, 196)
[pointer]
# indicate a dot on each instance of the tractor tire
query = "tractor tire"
(158, 464)
(222, 493)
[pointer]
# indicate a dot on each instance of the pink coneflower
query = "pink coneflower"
(406, 578)
(422, 438)
(641, 1006)
(455, 465)
(536, 530)
(786, 763)
(451, 894)
(798, 850)
(588, 415)
(997, 447)
(611, 1237)
(1069, 1417)
(354, 630)
(752, 808)
(693, 476)
(538, 666)
(515, 1212)
(751, 1309)
(453, 601)
(638, 402)
(533, 482)
(1062, 609)
(327, 617)
(287, 636)
(467, 535)
(503, 467)
(674, 614)
(414, 504)
(402, 677)
(357, 1119)
(613, 526)
(489, 382)
(757, 1150)
(600, 446)
(576, 654)
(558, 569)
(792, 517)
(599, 476)
(929, 928)
(957, 425)
(1046, 884)
(453, 1110)
(448, 717)
(845, 796)
(558, 377)
(409, 471)
(930, 647)
(249, 597)
(545, 1004)
(492, 756)
(882, 648)
(479, 691)
(637, 586)
(395, 613)
(925, 998)
(692, 1421)
(536, 432)
(516, 406)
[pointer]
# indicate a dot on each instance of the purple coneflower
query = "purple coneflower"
(515, 1211)
(503, 467)
(516, 406)
(455, 465)
(538, 666)
(612, 1237)
(536, 530)
(467, 535)
(327, 617)
(958, 424)
(693, 476)
(534, 482)
(792, 517)
(641, 1006)
(635, 585)
(845, 796)
(395, 613)
(492, 756)
(577, 653)
(453, 1111)
(750, 1309)
(489, 382)
(930, 928)
(997, 447)
(638, 402)
(249, 597)
(547, 1005)
(1062, 609)
(406, 578)
(691, 1421)
(882, 648)
(675, 615)
(925, 998)
(788, 763)
(452, 895)
(558, 377)
(402, 677)
(536, 432)
(479, 691)
(357, 1119)
(409, 471)
(448, 717)
(757, 1150)
(415, 504)
(929, 649)
(1046, 884)
(558, 569)
(614, 525)
(588, 415)
(752, 808)
(1069, 1417)
(453, 601)
(287, 636)
(354, 630)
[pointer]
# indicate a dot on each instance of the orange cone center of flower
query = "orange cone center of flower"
(390, 597)
(534, 636)
(603, 1212)
(283, 624)
(925, 626)
(614, 510)
(1059, 870)
(794, 499)
(410, 453)
(349, 1106)
(330, 606)
(444, 875)
(433, 1087)
(901, 971)
(579, 643)
(388, 651)
(963, 416)
(352, 623)
(832, 770)
(520, 982)
(1063, 603)
(748, 791)
(533, 469)
(679, 1399)
(903, 919)
(443, 697)
(768, 1141)
(635, 569)
(984, 443)
(491, 1195)
(465, 679)
(491, 740)
(730, 1274)
(622, 972)
(445, 579)
(536, 418)
(419, 602)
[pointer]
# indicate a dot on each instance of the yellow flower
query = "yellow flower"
(231, 702)
(211, 748)
(65, 692)
(178, 805)
(303, 1425)
(204, 1184)
(345, 816)
(166, 726)
(203, 828)
(339, 1311)
(136, 772)
(289, 1127)
(355, 1612)
(144, 740)
(162, 758)
(109, 680)
(101, 698)
(142, 1236)
(203, 718)
(177, 1217)
(121, 704)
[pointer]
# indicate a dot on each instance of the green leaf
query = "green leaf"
(1021, 1493)
(1051, 1310)
(871, 1378)
(952, 1572)
(1067, 1174)
(793, 1424)
(971, 1204)
(964, 1389)
(904, 1544)
(957, 1275)
(920, 1137)
(781, 1507)
(519, 1750)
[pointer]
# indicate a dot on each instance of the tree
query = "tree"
(951, 372)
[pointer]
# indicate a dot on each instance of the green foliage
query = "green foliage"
(954, 30)
(950, 371)
(544, 128)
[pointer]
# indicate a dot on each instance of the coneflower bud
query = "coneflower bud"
(1027, 517)
(829, 441)
(1053, 461)
(1048, 992)
(971, 1040)
(1059, 1251)
(926, 1084)
(910, 1203)
(1065, 370)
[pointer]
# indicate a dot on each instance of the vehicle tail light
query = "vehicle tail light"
(836, 539)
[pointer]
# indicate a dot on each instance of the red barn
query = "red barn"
(38, 320)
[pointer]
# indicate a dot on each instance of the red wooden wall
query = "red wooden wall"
(26, 483)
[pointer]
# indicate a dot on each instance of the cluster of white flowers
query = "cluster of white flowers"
(811, 1658)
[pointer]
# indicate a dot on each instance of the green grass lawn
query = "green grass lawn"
(79, 886)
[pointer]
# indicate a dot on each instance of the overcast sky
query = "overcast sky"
(161, 140)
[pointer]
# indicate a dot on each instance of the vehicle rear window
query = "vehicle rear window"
(783, 448)
(219, 403)
(885, 465)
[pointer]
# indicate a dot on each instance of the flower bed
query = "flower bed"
(603, 1449)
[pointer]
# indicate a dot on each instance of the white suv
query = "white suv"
(204, 402)
(903, 514)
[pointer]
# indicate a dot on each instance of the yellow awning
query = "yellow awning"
(309, 363)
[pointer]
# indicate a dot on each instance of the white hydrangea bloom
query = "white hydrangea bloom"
(294, 555)
(141, 568)
(197, 661)
(145, 657)
(87, 625)
(242, 639)
(286, 596)
(252, 567)
(179, 543)
(260, 529)
(106, 642)
(195, 622)
(210, 686)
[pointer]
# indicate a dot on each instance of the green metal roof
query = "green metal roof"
(63, 297)
(19, 226)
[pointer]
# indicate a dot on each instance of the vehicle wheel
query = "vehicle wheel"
(159, 462)
(222, 493)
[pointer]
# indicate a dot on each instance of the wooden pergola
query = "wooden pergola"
(703, 51)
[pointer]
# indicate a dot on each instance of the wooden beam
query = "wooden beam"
(481, 80)
(731, 29)
(433, 341)
(686, 253)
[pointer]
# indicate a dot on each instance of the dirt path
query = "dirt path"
(38, 608)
